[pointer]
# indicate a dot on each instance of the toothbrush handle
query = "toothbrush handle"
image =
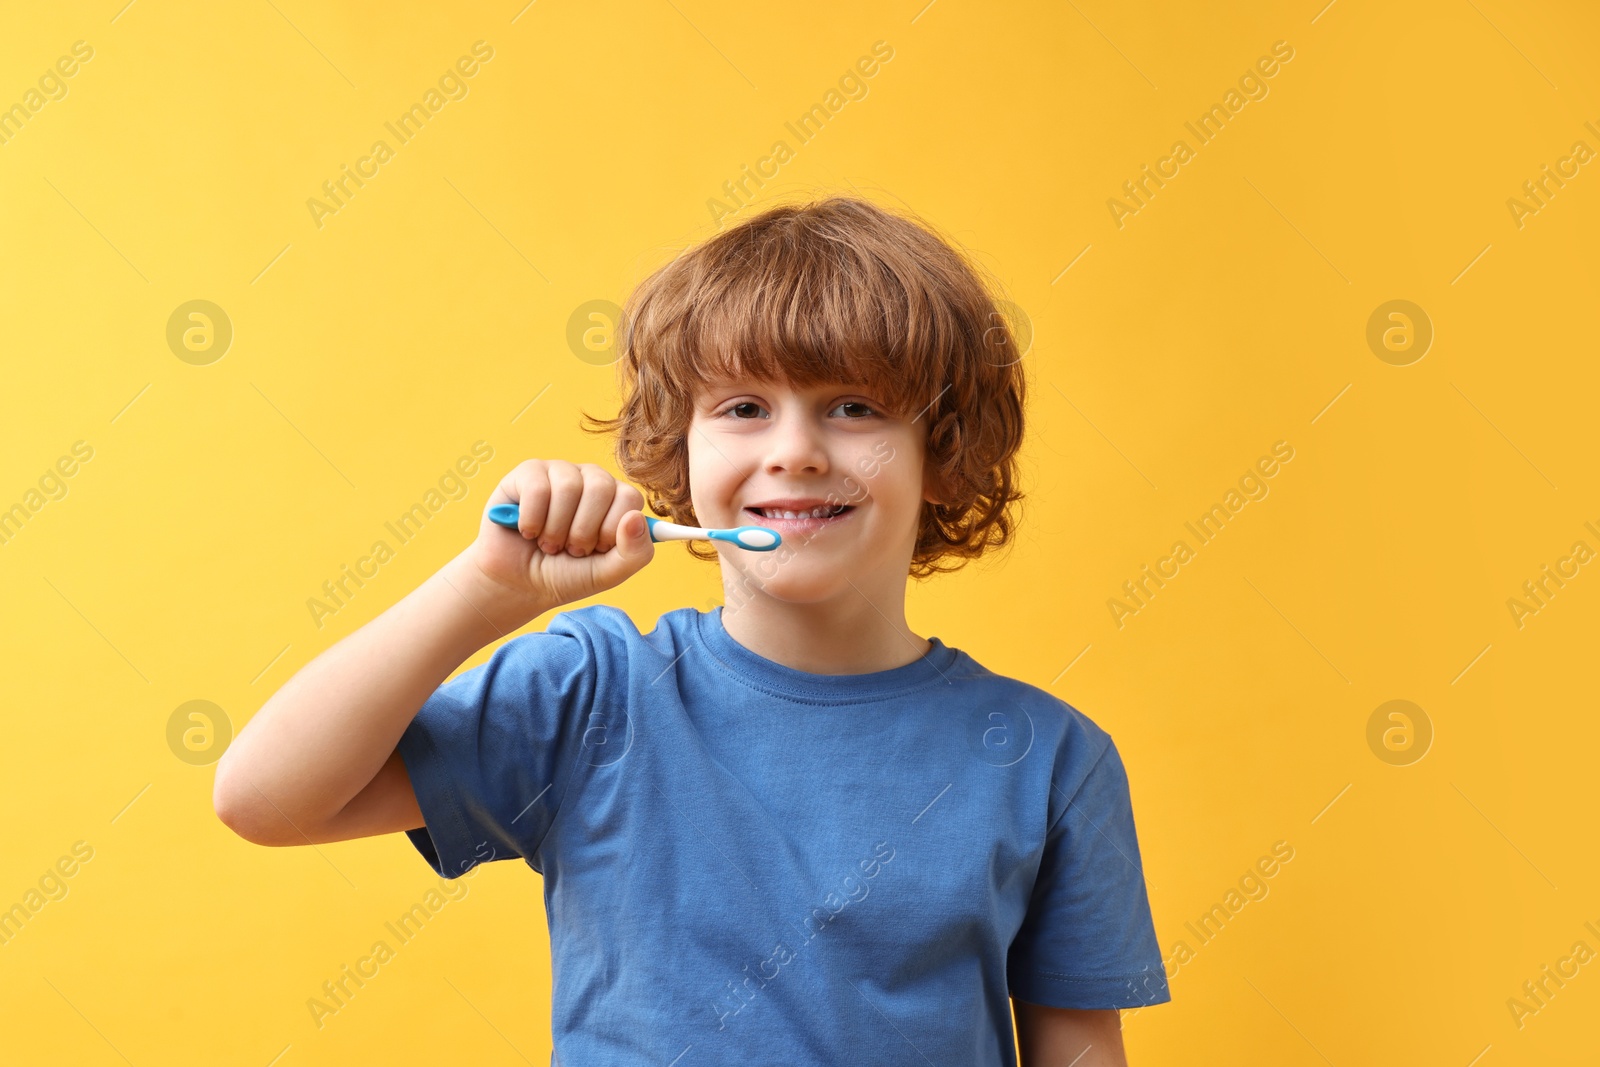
(662, 530)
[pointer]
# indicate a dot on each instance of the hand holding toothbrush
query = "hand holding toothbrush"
(583, 531)
(579, 537)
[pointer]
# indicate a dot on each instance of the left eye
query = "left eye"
(734, 409)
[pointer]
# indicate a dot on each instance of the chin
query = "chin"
(793, 584)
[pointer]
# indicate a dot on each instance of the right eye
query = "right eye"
(742, 404)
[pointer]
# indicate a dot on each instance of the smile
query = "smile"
(800, 521)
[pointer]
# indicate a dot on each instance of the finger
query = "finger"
(506, 491)
(634, 551)
(566, 489)
(599, 489)
(627, 499)
(533, 498)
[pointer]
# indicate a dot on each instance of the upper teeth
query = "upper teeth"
(815, 513)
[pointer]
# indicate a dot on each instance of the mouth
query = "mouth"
(800, 521)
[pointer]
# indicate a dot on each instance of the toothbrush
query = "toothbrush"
(754, 538)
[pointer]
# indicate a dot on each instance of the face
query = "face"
(758, 446)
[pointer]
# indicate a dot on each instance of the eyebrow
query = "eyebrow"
(719, 384)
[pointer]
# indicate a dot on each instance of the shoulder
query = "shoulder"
(587, 653)
(592, 621)
(1048, 711)
(608, 632)
(1066, 735)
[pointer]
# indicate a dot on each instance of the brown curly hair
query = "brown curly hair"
(836, 290)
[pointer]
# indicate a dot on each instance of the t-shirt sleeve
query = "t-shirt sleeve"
(1088, 940)
(490, 753)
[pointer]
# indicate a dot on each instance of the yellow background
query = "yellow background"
(1227, 314)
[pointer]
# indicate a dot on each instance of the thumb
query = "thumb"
(632, 551)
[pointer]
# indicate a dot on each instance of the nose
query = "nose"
(795, 443)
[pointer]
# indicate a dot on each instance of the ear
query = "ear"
(932, 491)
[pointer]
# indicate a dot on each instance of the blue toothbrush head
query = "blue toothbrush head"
(755, 538)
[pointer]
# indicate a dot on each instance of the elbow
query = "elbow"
(230, 811)
(238, 824)
(238, 812)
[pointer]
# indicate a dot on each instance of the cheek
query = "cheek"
(888, 469)
(711, 480)
(701, 455)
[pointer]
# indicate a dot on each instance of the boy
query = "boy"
(790, 830)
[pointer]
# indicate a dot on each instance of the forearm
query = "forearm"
(325, 733)
(1059, 1037)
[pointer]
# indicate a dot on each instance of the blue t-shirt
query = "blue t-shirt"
(750, 864)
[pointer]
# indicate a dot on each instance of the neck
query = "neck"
(860, 632)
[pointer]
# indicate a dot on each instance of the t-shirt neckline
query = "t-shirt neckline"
(776, 678)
